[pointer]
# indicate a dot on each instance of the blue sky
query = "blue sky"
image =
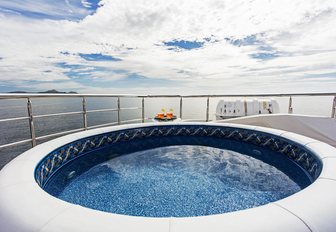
(128, 46)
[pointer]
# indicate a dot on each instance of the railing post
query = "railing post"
(31, 123)
(118, 102)
(207, 109)
(181, 105)
(290, 105)
(85, 124)
(143, 110)
(333, 109)
(245, 107)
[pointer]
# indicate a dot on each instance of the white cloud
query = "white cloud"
(299, 34)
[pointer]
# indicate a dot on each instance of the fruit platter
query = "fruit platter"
(164, 116)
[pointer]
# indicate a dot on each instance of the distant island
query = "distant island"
(48, 91)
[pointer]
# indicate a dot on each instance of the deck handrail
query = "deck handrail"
(84, 112)
(80, 95)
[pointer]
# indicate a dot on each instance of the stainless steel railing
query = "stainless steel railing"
(85, 111)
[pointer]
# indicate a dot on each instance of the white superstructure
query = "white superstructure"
(246, 107)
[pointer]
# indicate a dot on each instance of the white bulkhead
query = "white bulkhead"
(246, 107)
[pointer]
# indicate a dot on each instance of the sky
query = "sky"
(168, 47)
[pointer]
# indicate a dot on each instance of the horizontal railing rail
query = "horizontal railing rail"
(13, 119)
(31, 117)
(57, 114)
(15, 143)
(67, 95)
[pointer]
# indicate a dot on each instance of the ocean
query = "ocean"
(193, 109)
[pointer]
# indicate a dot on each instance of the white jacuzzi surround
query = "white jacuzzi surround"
(25, 206)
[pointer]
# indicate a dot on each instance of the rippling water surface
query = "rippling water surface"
(177, 181)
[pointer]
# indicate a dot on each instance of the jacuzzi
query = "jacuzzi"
(172, 177)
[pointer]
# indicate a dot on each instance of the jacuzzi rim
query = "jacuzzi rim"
(69, 147)
(23, 167)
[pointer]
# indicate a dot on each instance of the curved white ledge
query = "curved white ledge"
(24, 206)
